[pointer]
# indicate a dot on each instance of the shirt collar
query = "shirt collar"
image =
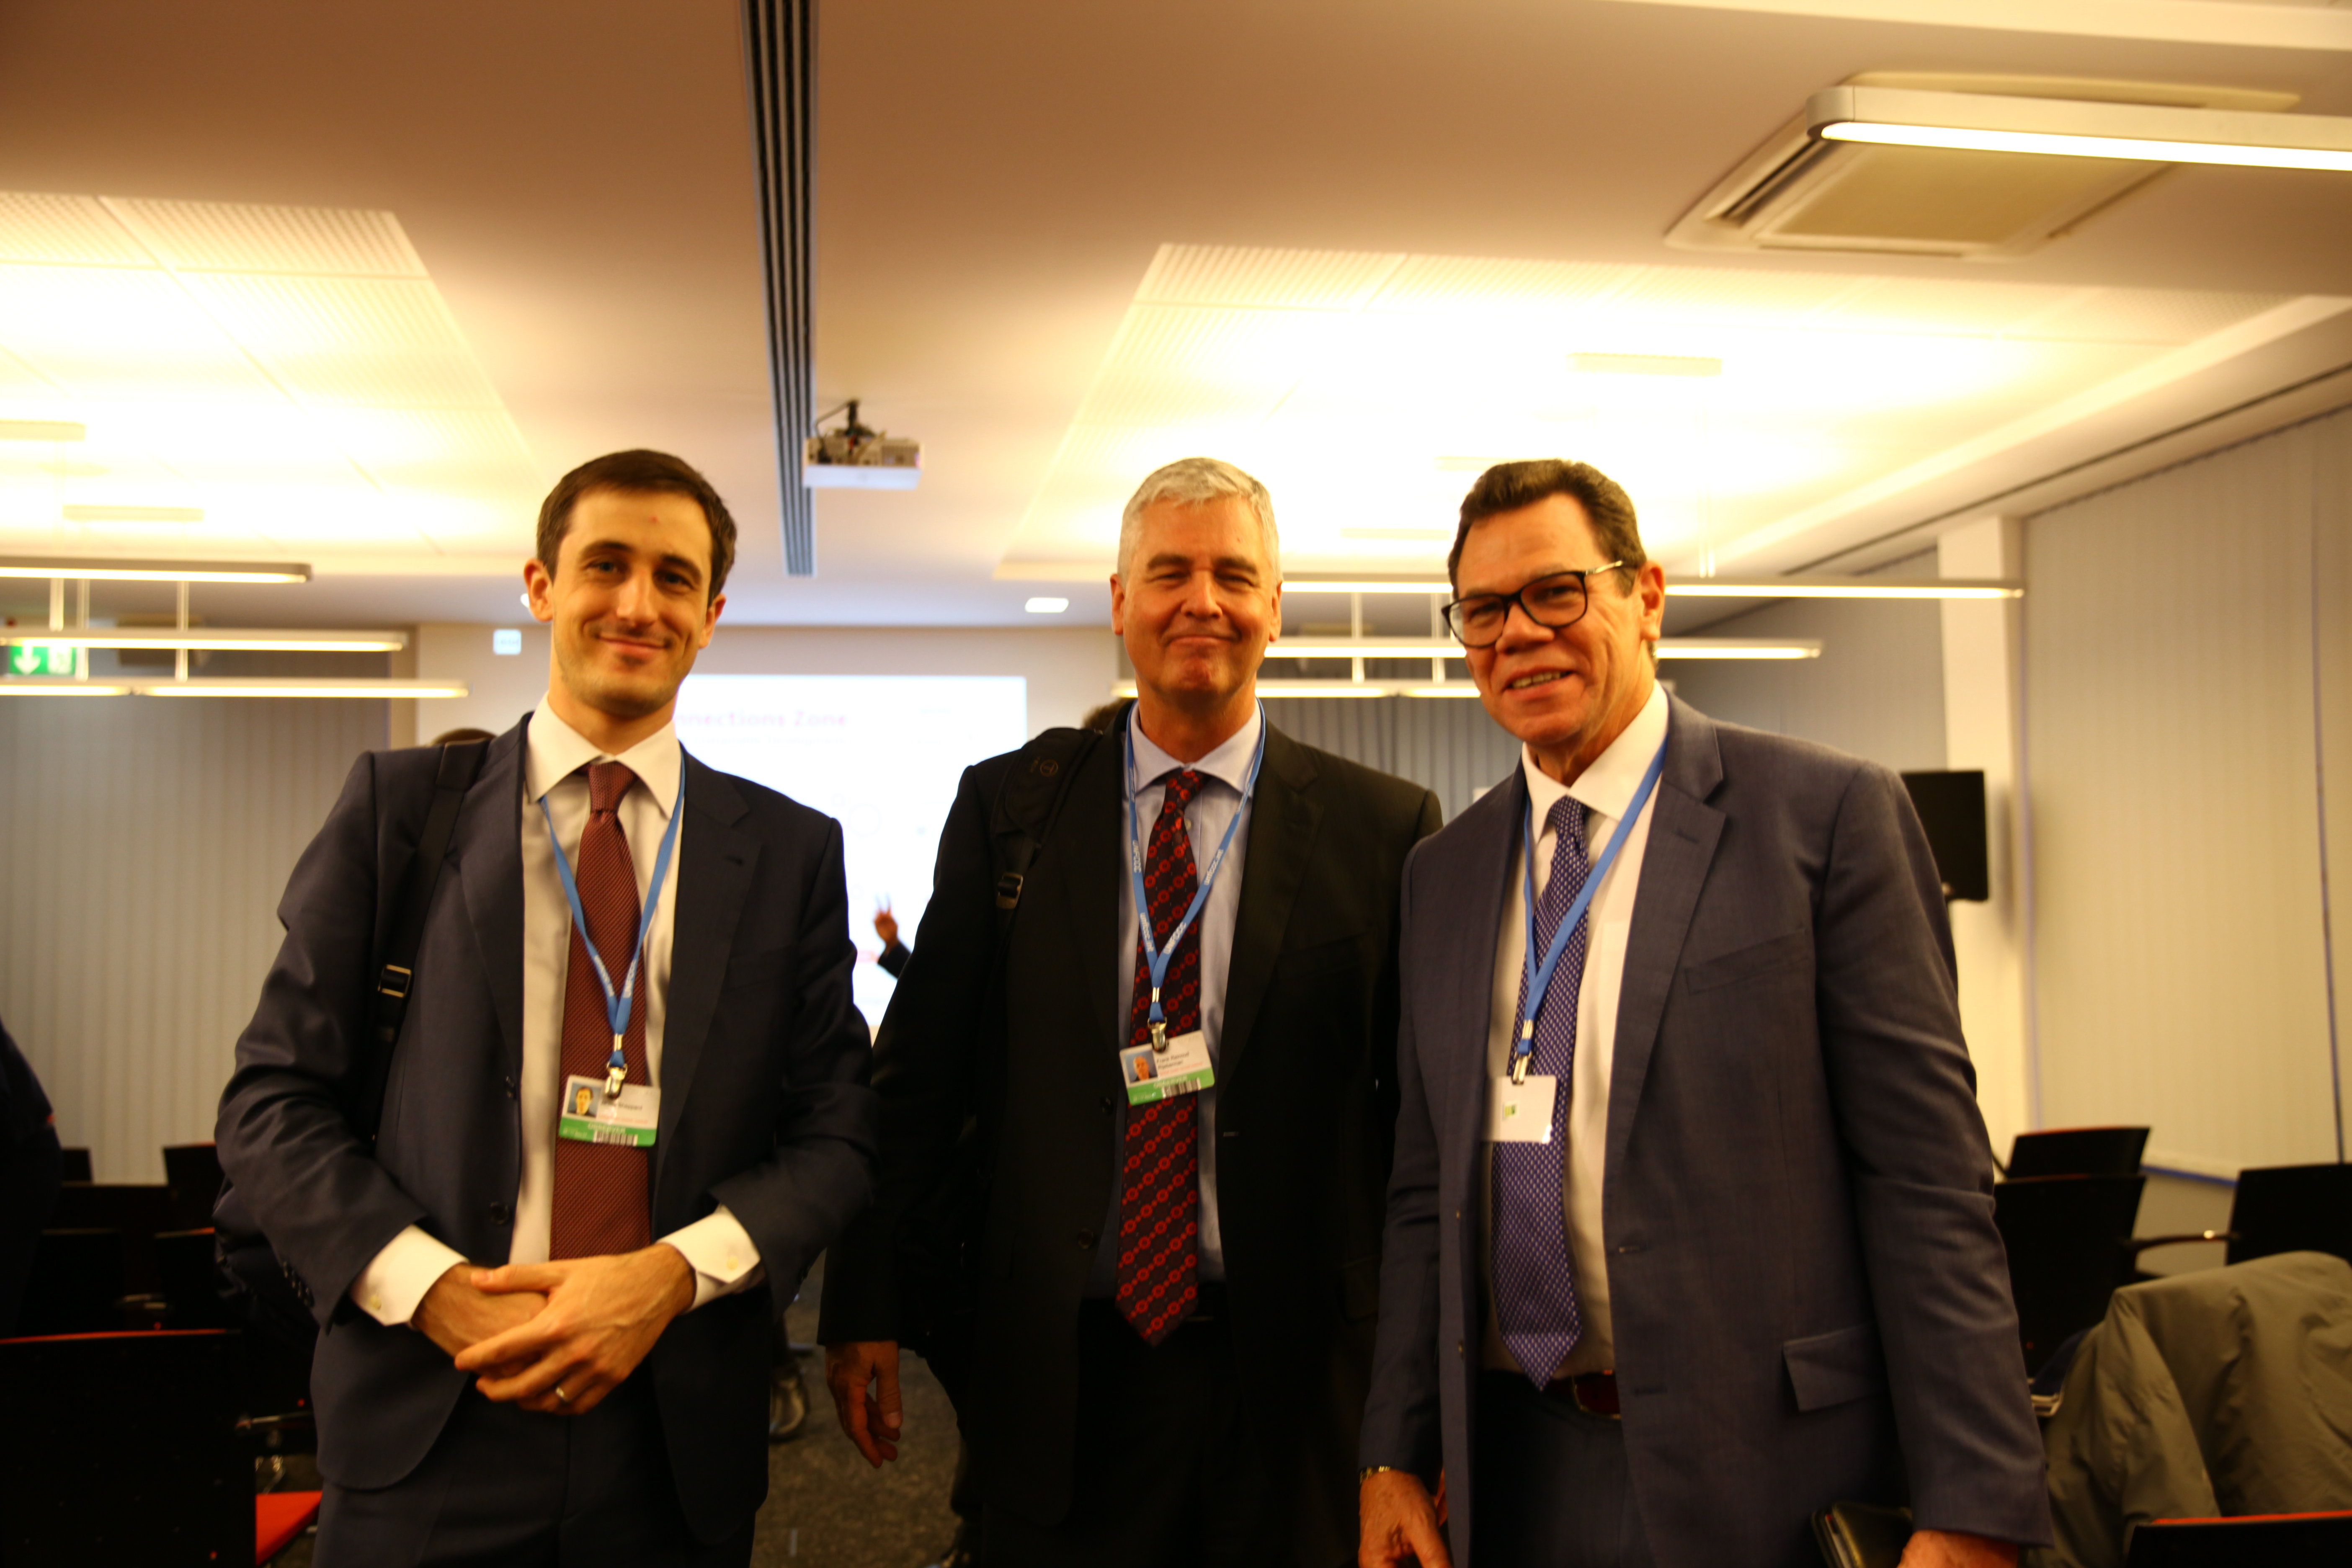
(554, 750)
(1229, 764)
(1607, 788)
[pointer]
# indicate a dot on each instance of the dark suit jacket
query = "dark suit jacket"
(1306, 1087)
(764, 1103)
(1809, 1299)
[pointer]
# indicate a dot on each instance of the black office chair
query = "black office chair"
(124, 1447)
(2076, 1151)
(2292, 1208)
(2068, 1239)
(76, 1284)
(192, 1173)
(2272, 1540)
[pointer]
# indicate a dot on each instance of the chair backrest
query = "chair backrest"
(2077, 1152)
(137, 1210)
(193, 1172)
(76, 1284)
(123, 1447)
(2065, 1239)
(2292, 1208)
(2278, 1538)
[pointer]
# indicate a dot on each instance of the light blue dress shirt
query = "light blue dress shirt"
(1205, 816)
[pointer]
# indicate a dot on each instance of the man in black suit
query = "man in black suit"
(600, 1395)
(1173, 1289)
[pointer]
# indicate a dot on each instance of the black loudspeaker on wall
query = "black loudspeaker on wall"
(1951, 807)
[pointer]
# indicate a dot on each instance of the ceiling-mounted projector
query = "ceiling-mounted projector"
(856, 458)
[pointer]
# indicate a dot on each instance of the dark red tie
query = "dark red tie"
(1159, 1225)
(603, 1191)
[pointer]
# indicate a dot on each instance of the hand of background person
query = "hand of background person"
(885, 925)
(1399, 1522)
(1951, 1549)
(863, 1377)
(458, 1317)
(603, 1315)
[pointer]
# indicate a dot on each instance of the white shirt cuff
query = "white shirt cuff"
(719, 1251)
(396, 1279)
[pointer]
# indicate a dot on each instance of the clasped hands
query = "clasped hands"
(581, 1325)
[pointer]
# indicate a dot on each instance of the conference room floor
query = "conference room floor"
(826, 1508)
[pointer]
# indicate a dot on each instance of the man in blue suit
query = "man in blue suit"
(1690, 1230)
(626, 1111)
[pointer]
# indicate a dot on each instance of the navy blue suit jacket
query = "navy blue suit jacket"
(1811, 1303)
(764, 1107)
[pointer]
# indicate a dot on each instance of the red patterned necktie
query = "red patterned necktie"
(1159, 1225)
(603, 1191)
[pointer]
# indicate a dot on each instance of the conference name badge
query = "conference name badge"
(1519, 1112)
(1182, 1068)
(593, 1116)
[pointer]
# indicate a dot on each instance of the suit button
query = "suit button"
(1106, 1104)
(1458, 1350)
(499, 1213)
(1085, 1241)
(509, 1084)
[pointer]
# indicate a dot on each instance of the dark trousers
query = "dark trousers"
(505, 1486)
(1166, 1475)
(1553, 1490)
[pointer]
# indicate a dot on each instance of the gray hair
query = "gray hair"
(1195, 481)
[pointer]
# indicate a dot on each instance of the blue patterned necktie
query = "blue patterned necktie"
(1535, 1282)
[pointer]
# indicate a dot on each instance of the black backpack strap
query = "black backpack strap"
(1027, 802)
(461, 763)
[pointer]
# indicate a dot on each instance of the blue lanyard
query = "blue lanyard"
(1157, 959)
(1536, 981)
(618, 1005)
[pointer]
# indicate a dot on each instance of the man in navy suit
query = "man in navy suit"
(546, 1336)
(1690, 1229)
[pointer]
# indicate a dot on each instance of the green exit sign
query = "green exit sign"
(43, 659)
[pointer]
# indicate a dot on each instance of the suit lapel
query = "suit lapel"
(1472, 934)
(1088, 840)
(1684, 832)
(715, 863)
(1284, 817)
(487, 849)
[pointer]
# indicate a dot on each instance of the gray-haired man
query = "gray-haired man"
(1172, 1271)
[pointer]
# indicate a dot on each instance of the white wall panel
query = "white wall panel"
(1446, 744)
(2175, 675)
(143, 845)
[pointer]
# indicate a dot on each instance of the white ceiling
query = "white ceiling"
(1013, 197)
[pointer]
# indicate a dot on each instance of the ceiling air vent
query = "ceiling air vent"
(1799, 192)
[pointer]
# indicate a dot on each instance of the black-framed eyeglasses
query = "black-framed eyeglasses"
(1556, 601)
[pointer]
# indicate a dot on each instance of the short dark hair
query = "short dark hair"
(639, 473)
(1508, 487)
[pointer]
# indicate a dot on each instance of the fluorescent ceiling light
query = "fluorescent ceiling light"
(1843, 588)
(1346, 648)
(21, 688)
(1046, 604)
(134, 514)
(1812, 587)
(300, 688)
(1985, 122)
(103, 568)
(1644, 365)
(211, 641)
(43, 430)
(1450, 688)
(859, 477)
(1739, 647)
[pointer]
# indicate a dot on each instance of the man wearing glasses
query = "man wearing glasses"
(1690, 1234)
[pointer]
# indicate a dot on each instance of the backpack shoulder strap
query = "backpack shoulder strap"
(1027, 803)
(461, 763)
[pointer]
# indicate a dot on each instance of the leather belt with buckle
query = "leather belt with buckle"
(1595, 1394)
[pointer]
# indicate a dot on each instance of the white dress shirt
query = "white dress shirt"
(1605, 789)
(1223, 771)
(717, 1246)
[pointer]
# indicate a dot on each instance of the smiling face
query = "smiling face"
(1566, 692)
(1196, 604)
(630, 604)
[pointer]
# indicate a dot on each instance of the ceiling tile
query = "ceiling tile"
(74, 230)
(369, 342)
(232, 237)
(1297, 279)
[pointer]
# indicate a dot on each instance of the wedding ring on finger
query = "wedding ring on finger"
(562, 1398)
